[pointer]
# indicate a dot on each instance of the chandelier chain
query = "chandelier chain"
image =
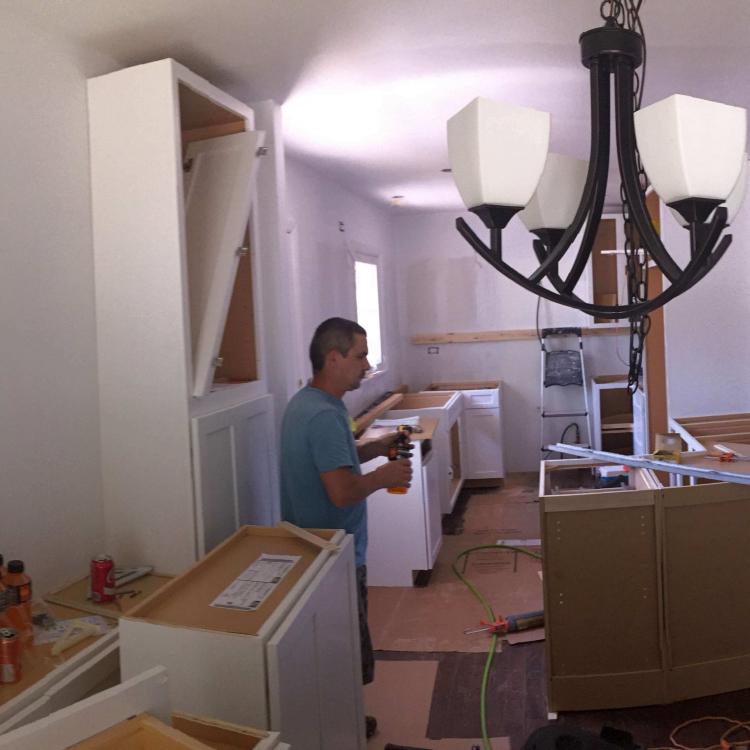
(635, 255)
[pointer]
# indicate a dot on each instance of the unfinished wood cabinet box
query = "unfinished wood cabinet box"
(633, 582)
(144, 732)
(701, 433)
(184, 407)
(293, 665)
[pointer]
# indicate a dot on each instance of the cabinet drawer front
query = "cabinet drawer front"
(483, 399)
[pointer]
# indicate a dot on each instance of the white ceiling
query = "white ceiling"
(368, 85)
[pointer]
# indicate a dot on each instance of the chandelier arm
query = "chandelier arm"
(626, 150)
(707, 235)
(496, 242)
(691, 274)
(715, 257)
(600, 117)
(540, 250)
(592, 226)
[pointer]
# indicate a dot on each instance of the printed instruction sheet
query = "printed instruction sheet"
(256, 583)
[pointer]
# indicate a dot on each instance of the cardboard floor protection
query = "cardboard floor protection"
(400, 684)
(434, 618)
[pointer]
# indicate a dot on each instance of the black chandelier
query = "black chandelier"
(692, 152)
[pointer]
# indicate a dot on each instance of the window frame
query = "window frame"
(377, 261)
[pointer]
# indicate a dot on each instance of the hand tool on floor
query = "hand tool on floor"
(510, 624)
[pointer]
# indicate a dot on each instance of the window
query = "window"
(368, 307)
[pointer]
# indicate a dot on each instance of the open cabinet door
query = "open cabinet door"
(220, 185)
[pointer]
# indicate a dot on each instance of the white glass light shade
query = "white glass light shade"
(497, 152)
(732, 203)
(556, 199)
(691, 148)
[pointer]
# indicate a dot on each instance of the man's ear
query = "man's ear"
(332, 357)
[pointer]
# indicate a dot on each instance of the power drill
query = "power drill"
(400, 449)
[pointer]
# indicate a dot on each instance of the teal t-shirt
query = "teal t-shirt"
(316, 437)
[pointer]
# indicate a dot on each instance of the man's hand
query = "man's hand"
(395, 473)
(379, 447)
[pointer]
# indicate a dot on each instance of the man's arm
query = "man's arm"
(345, 488)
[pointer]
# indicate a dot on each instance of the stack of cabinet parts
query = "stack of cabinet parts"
(116, 719)
(177, 224)
(291, 665)
(612, 413)
(483, 462)
(702, 433)
(405, 530)
(447, 408)
(635, 581)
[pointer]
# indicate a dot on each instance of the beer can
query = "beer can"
(102, 579)
(10, 656)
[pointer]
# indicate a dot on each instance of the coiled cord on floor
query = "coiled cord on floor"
(490, 618)
(724, 742)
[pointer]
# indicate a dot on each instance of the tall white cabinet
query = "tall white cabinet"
(186, 420)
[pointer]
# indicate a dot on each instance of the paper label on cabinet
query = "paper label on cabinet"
(256, 583)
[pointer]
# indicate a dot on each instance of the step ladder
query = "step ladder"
(563, 367)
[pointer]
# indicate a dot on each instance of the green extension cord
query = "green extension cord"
(490, 618)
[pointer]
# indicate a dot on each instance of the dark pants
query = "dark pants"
(365, 642)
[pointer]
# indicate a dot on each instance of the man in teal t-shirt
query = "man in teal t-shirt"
(322, 485)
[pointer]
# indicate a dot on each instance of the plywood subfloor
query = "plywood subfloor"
(401, 698)
(434, 618)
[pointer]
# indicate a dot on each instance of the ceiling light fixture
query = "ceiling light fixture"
(691, 149)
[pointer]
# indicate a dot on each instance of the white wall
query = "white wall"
(323, 258)
(444, 286)
(706, 329)
(49, 450)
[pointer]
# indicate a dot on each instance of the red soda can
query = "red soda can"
(10, 656)
(102, 579)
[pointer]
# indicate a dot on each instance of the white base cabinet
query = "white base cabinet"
(482, 454)
(405, 530)
(447, 441)
(292, 666)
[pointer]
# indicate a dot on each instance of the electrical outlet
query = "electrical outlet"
(433, 350)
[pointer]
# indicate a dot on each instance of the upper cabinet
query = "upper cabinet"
(174, 175)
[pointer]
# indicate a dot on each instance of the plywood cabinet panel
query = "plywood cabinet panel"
(636, 581)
